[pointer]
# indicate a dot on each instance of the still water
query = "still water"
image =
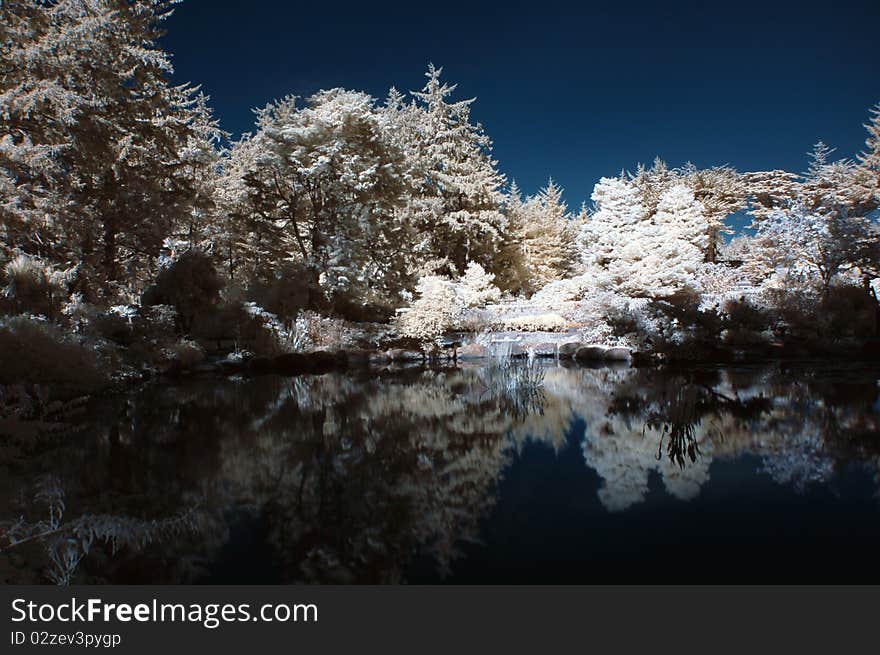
(487, 474)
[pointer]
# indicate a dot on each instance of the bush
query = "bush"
(190, 284)
(744, 315)
(560, 292)
(434, 313)
(35, 351)
(476, 288)
(848, 312)
(534, 323)
(186, 354)
(32, 286)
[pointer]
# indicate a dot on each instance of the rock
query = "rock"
(473, 351)
(544, 349)
(400, 355)
(324, 361)
(618, 354)
(517, 351)
(568, 349)
(261, 365)
(590, 354)
(357, 358)
(229, 366)
(288, 364)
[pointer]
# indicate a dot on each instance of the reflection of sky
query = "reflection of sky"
(771, 505)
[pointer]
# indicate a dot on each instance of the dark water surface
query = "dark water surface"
(489, 474)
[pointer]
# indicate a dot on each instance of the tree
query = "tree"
(644, 257)
(322, 185)
(804, 244)
(720, 189)
(617, 211)
(457, 209)
(661, 256)
(769, 191)
(97, 163)
(834, 186)
(435, 312)
(869, 159)
(547, 237)
(722, 192)
(476, 287)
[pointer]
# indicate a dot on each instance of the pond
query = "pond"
(495, 473)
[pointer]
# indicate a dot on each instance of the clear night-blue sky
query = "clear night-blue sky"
(568, 89)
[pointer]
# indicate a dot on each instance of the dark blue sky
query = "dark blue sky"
(572, 90)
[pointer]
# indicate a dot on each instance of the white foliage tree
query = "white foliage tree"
(644, 257)
(869, 159)
(322, 185)
(476, 287)
(458, 210)
(100, 156)
(434, 312)
(798, 244)
(662, 256)
(541, 239)
(618, 210)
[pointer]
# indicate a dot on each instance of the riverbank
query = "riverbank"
(566, 348)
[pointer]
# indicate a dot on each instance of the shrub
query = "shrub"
(35, 351)
(742, 314)
(186, 353)
(435, 312)
(534, 323)
(190, 284)
(847, 311)
(32, 286)
(475, 320)
(476, 287)
(555, 294)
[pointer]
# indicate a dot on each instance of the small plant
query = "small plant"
(68, 541)
(34, 287)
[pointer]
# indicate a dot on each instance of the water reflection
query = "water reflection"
(351, 478)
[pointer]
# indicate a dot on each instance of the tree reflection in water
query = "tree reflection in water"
(348, 478)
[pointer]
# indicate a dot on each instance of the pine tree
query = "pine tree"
(720, 189)
(869, 159)
(660, 257)
(96, 163)
(547, 237)
(458, 209)
(617, 211)
(838, 185)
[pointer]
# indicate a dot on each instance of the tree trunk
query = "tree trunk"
(109, 258)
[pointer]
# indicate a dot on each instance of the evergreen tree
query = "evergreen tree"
(869, 159)
(458, 208)
(97, 163)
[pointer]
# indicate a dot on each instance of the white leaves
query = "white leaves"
(643, 256)
(476, 288)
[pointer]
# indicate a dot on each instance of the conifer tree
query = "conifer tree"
(459, 205)
(98, 161)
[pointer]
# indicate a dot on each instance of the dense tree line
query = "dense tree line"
(118, 187)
